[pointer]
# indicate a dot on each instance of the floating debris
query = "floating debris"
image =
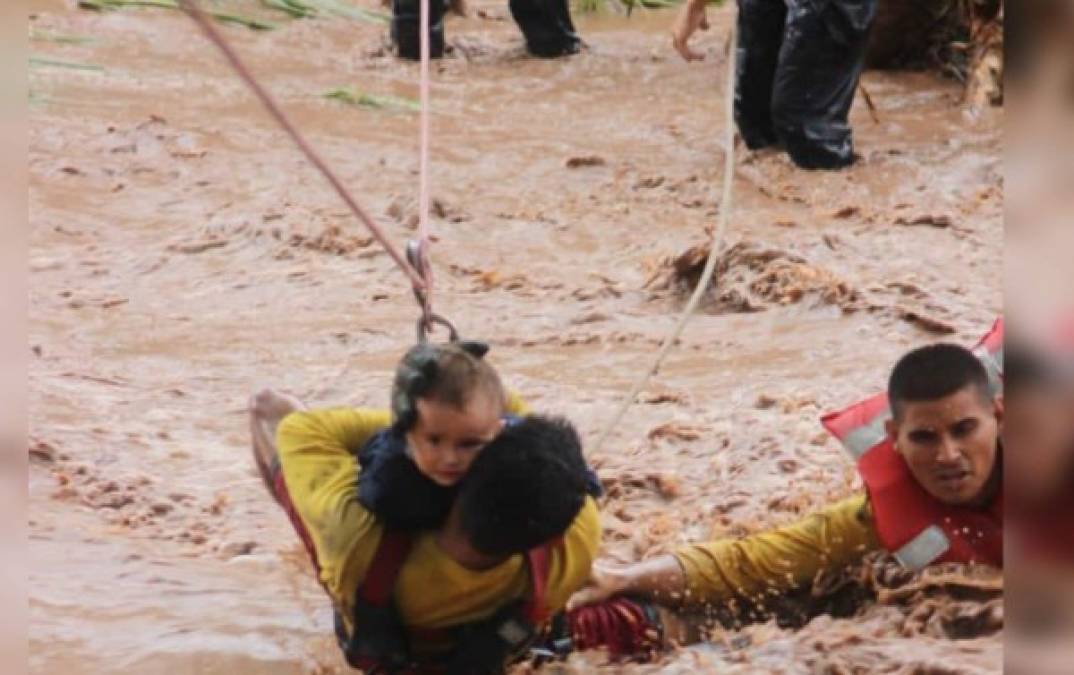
(753, 278)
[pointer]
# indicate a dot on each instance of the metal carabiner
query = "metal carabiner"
(416, 257)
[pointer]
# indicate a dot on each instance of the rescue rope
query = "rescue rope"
(716, 247)
(203, 20)
(420, 252)
(423, 162)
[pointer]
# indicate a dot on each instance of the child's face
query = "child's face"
(445, 440)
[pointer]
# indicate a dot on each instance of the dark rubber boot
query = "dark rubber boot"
(406, 33)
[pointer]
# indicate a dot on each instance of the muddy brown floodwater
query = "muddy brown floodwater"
(183, 254)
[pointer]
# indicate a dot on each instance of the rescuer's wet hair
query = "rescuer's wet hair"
(525, 488)
(935, 372)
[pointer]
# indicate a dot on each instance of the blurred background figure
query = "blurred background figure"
(1039, 284)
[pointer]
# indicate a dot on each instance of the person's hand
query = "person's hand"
(272, 406)
(691, 18)
(605, 580)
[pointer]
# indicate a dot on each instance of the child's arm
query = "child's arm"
(395, 491)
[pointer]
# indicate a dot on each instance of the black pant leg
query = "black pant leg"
(406, 31)
(760, 36)
(819, 67)
(547, 26)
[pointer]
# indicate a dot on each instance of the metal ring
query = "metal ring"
(425, 325)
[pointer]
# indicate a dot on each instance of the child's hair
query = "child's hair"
(525, 488)
(450, 373)
(934, 372)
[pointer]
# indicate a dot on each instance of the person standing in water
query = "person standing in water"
(799, 62)
(546, 25)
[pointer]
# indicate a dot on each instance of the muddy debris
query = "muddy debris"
(584, 161)
(661, 397)
(765, 402)
(679, 431)
(939, 221)
(235, 549)
(752, 278)
(194, 247)
(649, 182)
(43, 452)
(927, 323)
(331, 240)
(595, 316)
(846, 212)
(404, 210)
(489, 279)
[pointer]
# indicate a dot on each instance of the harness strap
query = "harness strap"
(379, 583)
(378, 587)
(535, 608)
(539, 559)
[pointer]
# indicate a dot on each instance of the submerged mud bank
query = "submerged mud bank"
(183, 254)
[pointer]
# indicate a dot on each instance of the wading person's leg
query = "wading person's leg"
(819, 66)
(547, 27)
(760, 36)
(406, 28)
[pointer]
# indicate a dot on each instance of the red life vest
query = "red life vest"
(914, 526)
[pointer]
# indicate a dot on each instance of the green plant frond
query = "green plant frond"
(46, 62)
(376, 101)
(223, 17)
(593, 6)
(302, 9)
(58, 38)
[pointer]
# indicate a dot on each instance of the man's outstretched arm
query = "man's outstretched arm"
(746, 569)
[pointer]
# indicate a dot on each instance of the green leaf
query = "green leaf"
(377, 101)
(44, 61)
(303, 9)
(38, 36)
(223, 17)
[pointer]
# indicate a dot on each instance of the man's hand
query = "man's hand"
(691, 18)
(605, 580)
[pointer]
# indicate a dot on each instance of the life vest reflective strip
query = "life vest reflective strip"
(915, 527)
